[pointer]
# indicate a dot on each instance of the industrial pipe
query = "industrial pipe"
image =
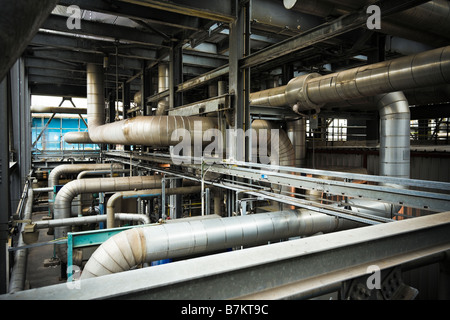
(112, 202)
(18, 274)
(68, 110)
(144, 130)
(312, 91)
(132, 247)
(296, 131)
(67, 193)
(65, 222)
(65, 169)
(394, 135)
(163, 85)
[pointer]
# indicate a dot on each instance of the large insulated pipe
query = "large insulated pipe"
(63, 199)
(20, 20)
(394, 134)
(163, 85)
(144, 130)
(65, 169)
(296, 131)
(312, 91)
(132, 247)
(18, 273)
(112, 201)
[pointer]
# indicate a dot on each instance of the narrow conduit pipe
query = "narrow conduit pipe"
(141, 218)
(83, 174)
(18, 273)
(118, 196)
(63, 199)
(312, 91)
(132, 247)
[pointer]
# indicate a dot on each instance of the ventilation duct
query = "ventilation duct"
(153, 131)
(143, 245)
(312, 91)
(66, 169)
(67, 193)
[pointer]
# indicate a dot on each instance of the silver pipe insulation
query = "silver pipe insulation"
(65, 222)
(63, 199)
(394, 134)
(118, 196)
(132, 247)
(163, 85)
(53, 177)
(82, 174)
(18, 273)
(78, 137)
(296, 131)
(144, 130)
(312, 91)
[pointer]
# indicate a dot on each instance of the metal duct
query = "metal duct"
(163, 85)
(149, 131)
(78, 138)
(139, 245)
(67, 193)
(394, 135)
(284, 155)
(312, 91)
(65, 169)
(296, 131)
(18, 274)
(19, 22)
(111, 204)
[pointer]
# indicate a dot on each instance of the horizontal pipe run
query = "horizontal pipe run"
(312, 91)
(112, 202)
(63, 200)
(89, 219)
(139, 245)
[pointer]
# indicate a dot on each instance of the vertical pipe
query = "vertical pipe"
(296, 131)
(163, 85)
(394, 135)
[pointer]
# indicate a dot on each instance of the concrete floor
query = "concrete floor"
(38, 274)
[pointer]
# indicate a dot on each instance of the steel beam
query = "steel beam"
(213, 10)
(277, 271)
(46, 39)
(399, 196)
(323, 32)
(105, 30)
(132, 11)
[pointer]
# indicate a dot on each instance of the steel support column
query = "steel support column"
(4, 182)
